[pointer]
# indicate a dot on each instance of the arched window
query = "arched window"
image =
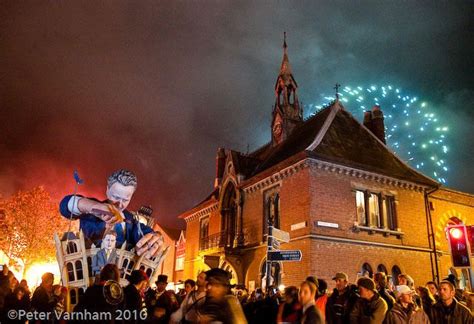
(124, 263)
(229, 216)
(382, 268)
(367, 271)
(70, 272)
(79, 273)
(271, 210)
(148, 272)
(71, 247)
(142, 267)
(395, 272)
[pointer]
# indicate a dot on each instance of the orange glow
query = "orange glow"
(35, 271)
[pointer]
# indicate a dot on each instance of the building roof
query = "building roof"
(339, 138)
(331, 135)
(172, 233)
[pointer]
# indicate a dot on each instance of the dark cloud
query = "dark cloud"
(158, 86)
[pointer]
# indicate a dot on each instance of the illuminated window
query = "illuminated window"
(376, 210)
(204, 228)
(360, 205)
(179, 264)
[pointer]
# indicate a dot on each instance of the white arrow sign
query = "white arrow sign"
(280, 235)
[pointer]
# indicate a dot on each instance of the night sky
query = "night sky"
(158, 86)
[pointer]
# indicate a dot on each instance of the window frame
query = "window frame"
(384, 218)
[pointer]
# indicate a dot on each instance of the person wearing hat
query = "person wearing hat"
(341, 301)
(133, 294)
(448, 309)
(160, 302)
(220, 306)
(370, 308)
(405, 309)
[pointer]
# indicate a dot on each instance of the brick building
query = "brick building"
(349, 203)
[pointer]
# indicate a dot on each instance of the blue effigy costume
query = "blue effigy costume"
(94, 228)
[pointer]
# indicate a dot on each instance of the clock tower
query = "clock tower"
(287, 113)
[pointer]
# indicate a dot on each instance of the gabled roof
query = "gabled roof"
(334, 135)
(172, 233)
(331, 135)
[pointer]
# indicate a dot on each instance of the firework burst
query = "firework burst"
(412, 129)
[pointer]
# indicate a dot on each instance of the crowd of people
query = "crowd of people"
(212, 299)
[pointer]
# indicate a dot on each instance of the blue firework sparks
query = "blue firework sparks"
(412, 129)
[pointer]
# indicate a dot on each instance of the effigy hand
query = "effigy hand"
(108, 213)
(149, 245)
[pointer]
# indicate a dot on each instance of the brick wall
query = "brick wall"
(313, 194)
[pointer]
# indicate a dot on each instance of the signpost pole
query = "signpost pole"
(269, 248)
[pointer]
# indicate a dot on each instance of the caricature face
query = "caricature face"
(109, 242)
(120, 195)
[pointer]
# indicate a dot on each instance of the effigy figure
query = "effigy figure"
(96, 217)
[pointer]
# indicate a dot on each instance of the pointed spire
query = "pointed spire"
(285, 68)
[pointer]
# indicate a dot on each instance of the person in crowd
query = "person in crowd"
(322, 297)
(220, 306)
(17, 300)
(341, 301)
(309, 313)
(448, 310)
(390, 284)
(433, 288)
(469, 297)
(405, 310)
(187, 312)
(253, 305)
(95, 298)
(160, 302)
(5, 283)
(404, 279)
(455, 281)
(370, 307)
(43, 299)
(289, 310)
(24, 284)
(133, 295)
(98, 216)
(427, 299)
(189, 285)
(381, 285)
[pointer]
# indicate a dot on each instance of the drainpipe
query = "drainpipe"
(431, 236)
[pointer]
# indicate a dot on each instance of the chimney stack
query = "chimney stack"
(373, 120)
(220, 165)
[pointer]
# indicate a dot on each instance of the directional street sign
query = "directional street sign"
(280, 235)
(285, 255)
